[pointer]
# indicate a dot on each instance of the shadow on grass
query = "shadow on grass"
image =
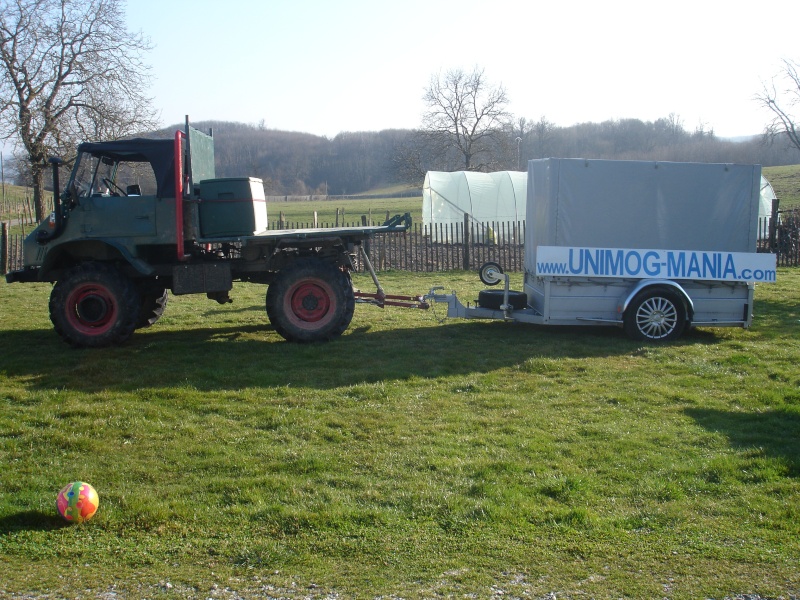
(776, 433)
(31, 520)
(779, 317)
(225, 358)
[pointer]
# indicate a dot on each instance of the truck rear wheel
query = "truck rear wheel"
(152, 305)
(655, 315)
(94, 305)
(310, 301)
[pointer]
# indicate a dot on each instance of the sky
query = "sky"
(329, 66)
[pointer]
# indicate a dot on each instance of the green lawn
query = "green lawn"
(411, 458)
(350, 210)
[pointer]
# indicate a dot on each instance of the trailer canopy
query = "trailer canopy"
(641, 204)
(491, 201)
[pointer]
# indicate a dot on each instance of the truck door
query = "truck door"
(120, 216)
(121, 200)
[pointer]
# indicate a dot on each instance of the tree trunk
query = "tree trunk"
(37, 173)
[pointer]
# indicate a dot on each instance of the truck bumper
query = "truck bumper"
(23, 276)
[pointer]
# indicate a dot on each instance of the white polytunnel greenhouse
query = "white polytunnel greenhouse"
(765, 207)
(493, 202)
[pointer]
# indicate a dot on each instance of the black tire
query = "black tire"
(656, 315)
(310, 301)
(494, 299)
(152, 305)
(94, 305)
(491, 273)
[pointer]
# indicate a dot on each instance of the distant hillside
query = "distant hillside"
(786, 183)
(294, 163)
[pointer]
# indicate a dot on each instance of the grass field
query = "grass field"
(350, 210)
(786, 183)
(411, 458)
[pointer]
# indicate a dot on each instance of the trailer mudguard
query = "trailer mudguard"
(668, 283)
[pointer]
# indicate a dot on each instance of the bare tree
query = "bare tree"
(465, 119)
(543, 137)
(782, 103)
(70, 71)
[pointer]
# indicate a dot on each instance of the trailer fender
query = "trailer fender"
(662, 283)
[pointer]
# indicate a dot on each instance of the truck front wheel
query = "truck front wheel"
(655, 315)
(310, 301)
(94, 305)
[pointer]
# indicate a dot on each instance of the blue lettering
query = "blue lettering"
(614, 262)
(592, 262)
(694, 266)
(652, 267)
(712, 264)
(573, 269)
(730, 268)
(638, 262)
(676, 268)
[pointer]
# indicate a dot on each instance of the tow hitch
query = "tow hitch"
(381, 298)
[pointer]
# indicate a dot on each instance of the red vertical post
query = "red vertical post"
(179, 196)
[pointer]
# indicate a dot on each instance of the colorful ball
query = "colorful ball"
(77, 502)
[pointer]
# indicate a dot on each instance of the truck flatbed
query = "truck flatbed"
(398, 224)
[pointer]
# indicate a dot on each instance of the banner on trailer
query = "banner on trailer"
(655, 264)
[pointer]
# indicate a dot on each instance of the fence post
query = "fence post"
(367, 245)
(465, 257)
(773, 225)
(4, 248)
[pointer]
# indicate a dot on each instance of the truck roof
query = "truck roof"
(160, 153)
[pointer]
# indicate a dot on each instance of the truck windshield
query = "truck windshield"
(83, 174)
(103, 176)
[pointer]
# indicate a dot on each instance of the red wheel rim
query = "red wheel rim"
(310, 301)
(91, 309)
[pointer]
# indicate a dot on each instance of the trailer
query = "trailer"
(142, 218)
(652, 247)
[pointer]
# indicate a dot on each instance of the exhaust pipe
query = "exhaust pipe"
(42, 237)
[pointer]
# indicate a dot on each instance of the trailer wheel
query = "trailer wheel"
(310, 301)
(94, 305)
(656, 315)
(153, 304)
(493, 299)
(491, 273)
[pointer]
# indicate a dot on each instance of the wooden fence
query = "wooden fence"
(468, 246)
(449, 247)
(782, 236)
(420, 249)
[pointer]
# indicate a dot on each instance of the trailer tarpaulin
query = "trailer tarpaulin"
(641, 204)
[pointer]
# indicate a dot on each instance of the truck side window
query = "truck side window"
(136, 179)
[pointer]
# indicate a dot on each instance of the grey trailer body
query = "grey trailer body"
(653, 247)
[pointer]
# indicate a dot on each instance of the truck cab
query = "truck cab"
(119, 203)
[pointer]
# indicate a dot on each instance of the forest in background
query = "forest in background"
(354, 162)
(295, 163)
